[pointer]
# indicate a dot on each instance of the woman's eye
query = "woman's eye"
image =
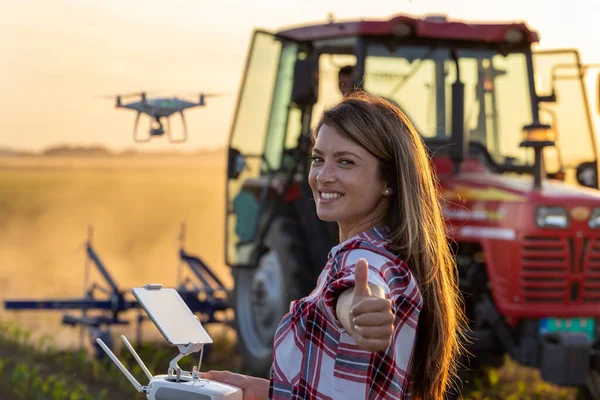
(316, 159)
(346, 162)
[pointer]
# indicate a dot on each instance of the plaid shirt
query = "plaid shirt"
(315, 358)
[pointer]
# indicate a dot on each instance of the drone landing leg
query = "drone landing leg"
(184, 138)
(135, 129)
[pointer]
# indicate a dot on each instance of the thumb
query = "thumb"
(219, 376)
(361, 279)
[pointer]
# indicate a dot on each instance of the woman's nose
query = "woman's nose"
(326, 174)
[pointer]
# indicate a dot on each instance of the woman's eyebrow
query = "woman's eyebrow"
(346, 153)
(338, 153)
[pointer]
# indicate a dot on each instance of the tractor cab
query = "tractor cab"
(473, 91)
(489, 108)
(479, 96)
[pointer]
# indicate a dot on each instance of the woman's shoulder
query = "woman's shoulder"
(373, 245)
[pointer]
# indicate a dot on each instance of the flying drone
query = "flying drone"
(159, 109)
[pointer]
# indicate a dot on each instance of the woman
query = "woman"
(383, 321)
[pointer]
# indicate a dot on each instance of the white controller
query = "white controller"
(180, 327)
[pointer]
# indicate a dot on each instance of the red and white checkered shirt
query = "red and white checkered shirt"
(315, 358)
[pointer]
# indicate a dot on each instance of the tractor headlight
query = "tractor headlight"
(539, 133)
(594, 221)
(551, 217)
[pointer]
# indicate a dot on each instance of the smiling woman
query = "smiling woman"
(370, 159)
(355, 335)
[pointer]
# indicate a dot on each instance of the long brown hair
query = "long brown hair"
(415, 219)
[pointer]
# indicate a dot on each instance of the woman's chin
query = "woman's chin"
(326, 216)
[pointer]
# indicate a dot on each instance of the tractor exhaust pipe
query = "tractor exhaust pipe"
(458, 118)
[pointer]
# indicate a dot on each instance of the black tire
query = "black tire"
(262, 295)
(475, 278)
(479, 361)
(592, 390)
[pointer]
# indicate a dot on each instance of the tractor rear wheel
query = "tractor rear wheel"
(262, 295)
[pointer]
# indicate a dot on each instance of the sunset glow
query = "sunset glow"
(60, 57)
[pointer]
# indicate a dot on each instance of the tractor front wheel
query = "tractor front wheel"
(592, 390)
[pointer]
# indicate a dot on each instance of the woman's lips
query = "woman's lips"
(329, 197)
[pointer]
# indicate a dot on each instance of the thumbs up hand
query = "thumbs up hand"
(371, 316)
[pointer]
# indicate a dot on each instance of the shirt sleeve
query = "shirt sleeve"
(383, 272)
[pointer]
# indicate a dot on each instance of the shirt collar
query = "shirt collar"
(377, 233)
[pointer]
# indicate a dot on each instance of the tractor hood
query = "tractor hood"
(494, 187)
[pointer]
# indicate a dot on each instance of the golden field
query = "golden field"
(135, 205)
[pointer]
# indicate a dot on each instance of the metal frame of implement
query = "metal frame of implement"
(204, 293)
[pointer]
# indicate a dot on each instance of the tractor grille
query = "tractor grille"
(544, 263)
(591, 287)
(560, 269)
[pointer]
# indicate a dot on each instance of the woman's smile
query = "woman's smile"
(327, 197)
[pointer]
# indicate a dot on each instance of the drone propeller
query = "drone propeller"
(134, 94)
(119, 97)
(206, 95)
(123, 96)
(214, 94)
(202, 96)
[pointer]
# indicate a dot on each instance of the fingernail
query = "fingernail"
(356, 327)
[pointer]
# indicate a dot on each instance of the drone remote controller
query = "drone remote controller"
(181, 328)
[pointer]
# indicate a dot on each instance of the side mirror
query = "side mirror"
(305, 90)
(236, 163)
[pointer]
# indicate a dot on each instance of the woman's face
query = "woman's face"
(344, 178)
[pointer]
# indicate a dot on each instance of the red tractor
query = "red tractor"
(511, 139)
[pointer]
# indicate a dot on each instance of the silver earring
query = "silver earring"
(387, 191)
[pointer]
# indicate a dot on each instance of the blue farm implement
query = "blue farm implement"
(102, 306)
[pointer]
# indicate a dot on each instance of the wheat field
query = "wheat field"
(135, 204)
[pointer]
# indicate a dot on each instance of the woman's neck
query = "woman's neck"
(377, 217)
(347, 232)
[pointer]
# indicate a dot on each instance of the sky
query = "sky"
(59, 58)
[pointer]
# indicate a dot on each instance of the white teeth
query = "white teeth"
(330, 196)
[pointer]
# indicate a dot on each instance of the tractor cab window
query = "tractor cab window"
(419, 80)
(260, 124)
(558, 72)
(258, 134)
(329, 90)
